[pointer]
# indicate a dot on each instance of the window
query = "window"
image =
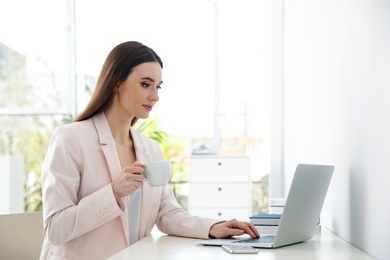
(217, 70)
(33, 84)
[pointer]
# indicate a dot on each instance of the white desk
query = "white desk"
(324, 245)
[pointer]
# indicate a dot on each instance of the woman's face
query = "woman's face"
(138, 94)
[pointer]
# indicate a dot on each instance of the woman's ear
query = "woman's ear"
(117, 86)
(116, 89)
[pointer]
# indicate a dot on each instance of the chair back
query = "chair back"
(21, 235)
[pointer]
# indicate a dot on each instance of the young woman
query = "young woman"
(95, 200)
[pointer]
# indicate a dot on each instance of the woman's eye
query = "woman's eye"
(158, 87)
(145, 85)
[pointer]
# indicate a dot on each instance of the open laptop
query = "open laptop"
(301, 211)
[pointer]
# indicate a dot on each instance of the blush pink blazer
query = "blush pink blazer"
(82, 219)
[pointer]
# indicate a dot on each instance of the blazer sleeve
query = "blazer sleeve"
(66, 216)
(174, 220)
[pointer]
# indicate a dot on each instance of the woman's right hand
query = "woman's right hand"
(130, 179)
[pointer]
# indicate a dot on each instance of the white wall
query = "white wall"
(336, 110)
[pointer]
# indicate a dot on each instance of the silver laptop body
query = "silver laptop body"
(301, 211)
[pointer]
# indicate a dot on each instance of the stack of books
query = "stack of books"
(266, 223)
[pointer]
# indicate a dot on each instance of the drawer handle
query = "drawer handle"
(219, 214)
(219, 188)
(219, 163)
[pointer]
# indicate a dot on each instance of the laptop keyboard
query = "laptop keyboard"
(262, 239)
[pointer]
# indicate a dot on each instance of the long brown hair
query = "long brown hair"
(116, 68)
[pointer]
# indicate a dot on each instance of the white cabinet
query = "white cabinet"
(11, 185)
(220, 187)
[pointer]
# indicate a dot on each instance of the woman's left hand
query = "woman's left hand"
(233, 228)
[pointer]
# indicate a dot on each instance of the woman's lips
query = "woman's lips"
(149, 108)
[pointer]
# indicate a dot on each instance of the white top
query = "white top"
(134, 209)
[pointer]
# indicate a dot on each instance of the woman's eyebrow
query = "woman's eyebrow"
(151, 79)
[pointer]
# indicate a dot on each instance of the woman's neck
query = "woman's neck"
(119, 126)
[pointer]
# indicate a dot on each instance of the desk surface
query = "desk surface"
(324, 245)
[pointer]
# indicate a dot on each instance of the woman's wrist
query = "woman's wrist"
(116, 195)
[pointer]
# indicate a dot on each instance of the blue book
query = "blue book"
(265, 219)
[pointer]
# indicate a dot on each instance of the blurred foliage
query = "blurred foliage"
(28, 137)
(172, 149)
(260, 196)
(150, 129)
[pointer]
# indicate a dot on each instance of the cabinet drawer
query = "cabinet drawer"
(219, 195)
(221, 213)
(219, 169)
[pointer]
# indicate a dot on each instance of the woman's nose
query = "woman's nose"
(154, 96)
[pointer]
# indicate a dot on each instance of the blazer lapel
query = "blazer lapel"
(108, 146)
(110, 152)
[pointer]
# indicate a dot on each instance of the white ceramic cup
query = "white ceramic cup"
(157, 173)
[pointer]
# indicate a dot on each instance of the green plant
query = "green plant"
(172, 149)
